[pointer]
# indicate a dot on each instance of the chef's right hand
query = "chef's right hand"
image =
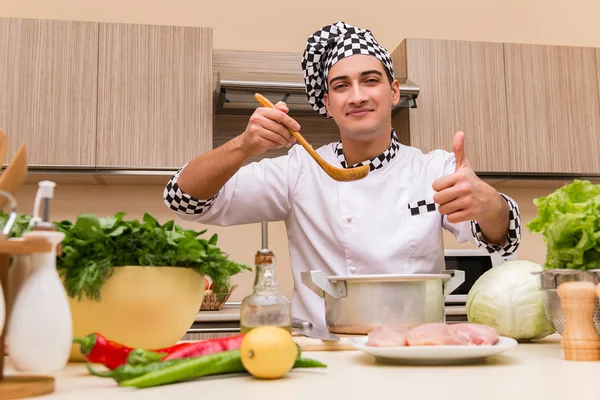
(267, 130)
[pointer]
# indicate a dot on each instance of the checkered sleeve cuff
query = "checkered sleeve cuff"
(181, 202)
(514, 232)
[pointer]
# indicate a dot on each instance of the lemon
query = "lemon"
(268, 352)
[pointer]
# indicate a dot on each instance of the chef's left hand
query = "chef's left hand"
(462, 196)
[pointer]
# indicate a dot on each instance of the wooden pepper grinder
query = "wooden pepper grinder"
(580, 340)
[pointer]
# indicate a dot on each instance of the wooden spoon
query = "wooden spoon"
(3, 147)
(339, 174)
(14, 175)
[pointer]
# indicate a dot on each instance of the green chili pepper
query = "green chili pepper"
(188, 368)
(194, 367)
(128, 371)
(308, 363)
(143, 356)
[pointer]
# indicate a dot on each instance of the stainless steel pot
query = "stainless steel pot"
(358, 304)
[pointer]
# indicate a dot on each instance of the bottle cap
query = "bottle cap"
(264, 256)
(46, 189)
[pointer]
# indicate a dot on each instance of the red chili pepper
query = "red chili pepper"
(97, 349)
(175, 347)
(206, 347)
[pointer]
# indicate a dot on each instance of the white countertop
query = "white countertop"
(529, 371)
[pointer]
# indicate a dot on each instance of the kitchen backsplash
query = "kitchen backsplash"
(240, 242)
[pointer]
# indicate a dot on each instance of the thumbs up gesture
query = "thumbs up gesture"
(458, 147)
(461, 195)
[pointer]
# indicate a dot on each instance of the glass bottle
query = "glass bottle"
(266, 305)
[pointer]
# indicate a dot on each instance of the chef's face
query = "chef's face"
(360, 97)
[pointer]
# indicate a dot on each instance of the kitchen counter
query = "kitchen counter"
(214, 324)
(229, 312)
(529, 371)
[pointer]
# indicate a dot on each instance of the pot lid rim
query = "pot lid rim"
(387, 277)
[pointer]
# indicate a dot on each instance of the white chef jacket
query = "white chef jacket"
(385, 223)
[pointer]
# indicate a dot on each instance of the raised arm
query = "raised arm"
(493, 218)
(206, 174)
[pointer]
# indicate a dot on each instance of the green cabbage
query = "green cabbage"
(569, 219)
(508, 299)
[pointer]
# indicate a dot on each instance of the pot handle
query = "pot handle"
(316, 281)
(457, 279)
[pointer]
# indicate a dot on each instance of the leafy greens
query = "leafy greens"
(93, 246)
(20, 226)
(569, 219)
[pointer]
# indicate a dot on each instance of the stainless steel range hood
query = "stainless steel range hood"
(235, 92)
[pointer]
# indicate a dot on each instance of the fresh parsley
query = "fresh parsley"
(20, 226)
(94, 246)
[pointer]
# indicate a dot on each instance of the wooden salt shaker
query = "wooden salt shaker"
(580, 340)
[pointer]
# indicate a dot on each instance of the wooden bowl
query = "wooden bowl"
(149, 307)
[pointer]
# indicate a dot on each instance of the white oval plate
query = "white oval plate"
(433, 354)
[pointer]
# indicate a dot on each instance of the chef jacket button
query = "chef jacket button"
(349, 219)
(352, 270)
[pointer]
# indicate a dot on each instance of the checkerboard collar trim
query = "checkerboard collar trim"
(326, 47)
(374, 163)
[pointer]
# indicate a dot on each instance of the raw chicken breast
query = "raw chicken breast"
(388, 336)
(435, 334)
(477, 334)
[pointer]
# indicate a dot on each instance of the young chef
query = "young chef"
(388, 222)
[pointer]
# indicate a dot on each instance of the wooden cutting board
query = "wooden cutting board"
(310, 344)
(21, 387)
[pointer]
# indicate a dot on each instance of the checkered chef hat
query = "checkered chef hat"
(329, 45)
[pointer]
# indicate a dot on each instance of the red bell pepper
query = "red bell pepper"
(97, 349)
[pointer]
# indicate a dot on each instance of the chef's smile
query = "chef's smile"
(358, 113)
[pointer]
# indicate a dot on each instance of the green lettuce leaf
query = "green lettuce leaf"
(569, 220)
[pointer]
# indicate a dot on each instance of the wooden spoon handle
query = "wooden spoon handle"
(3, 147)
(338, 174)
(267, 103)
(14, 175)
